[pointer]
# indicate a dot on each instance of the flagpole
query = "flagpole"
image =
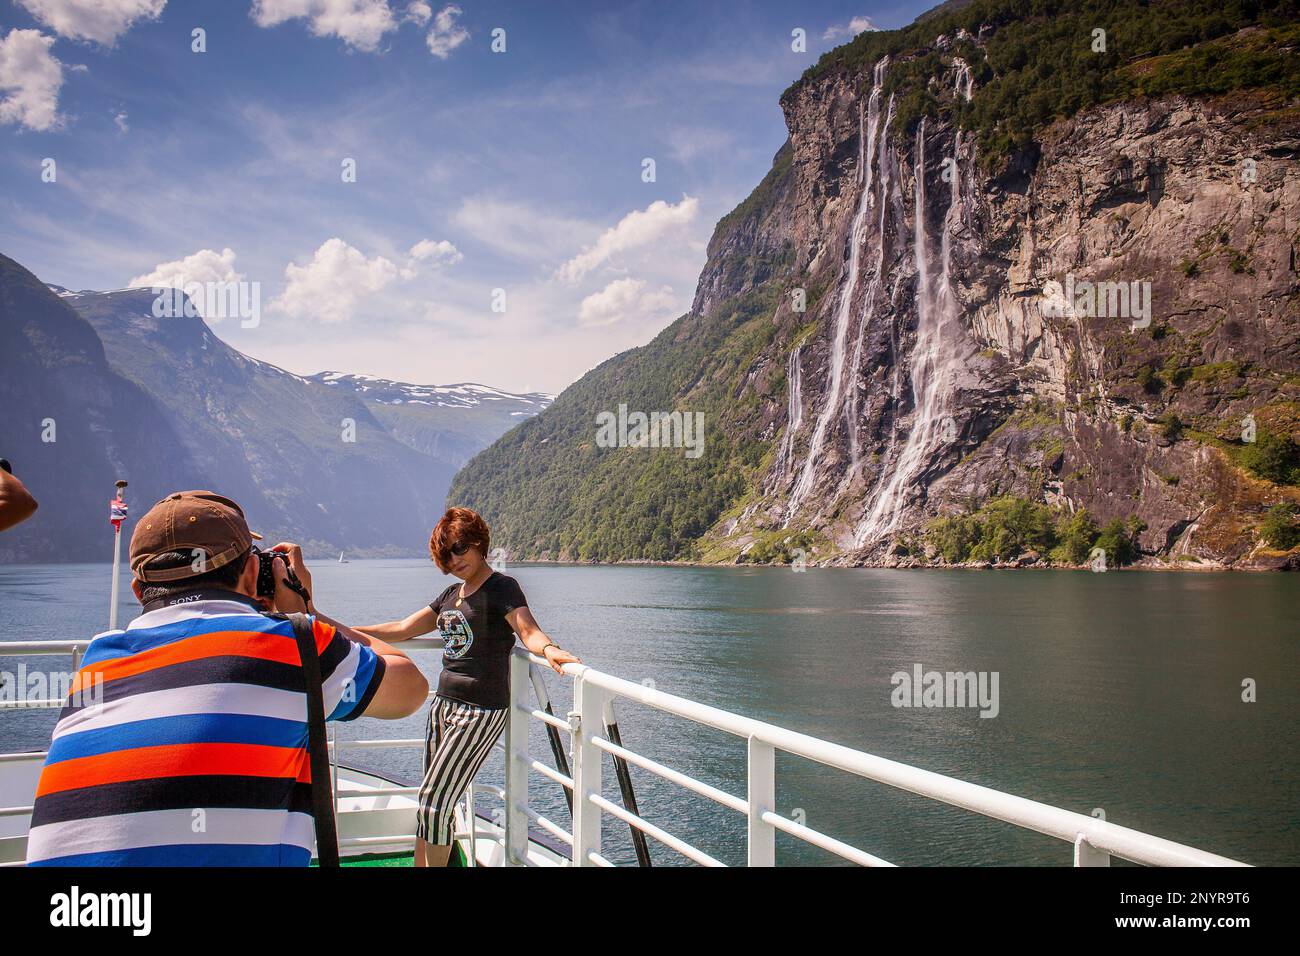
(117, 563)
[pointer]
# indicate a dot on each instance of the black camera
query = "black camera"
(266, 575)
(266, 572)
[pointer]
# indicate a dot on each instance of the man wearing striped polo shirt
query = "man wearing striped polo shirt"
(184, 740)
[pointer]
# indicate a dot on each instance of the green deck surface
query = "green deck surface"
(395, 859)
(388, 859)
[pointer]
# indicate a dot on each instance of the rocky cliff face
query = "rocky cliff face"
(1088, 325)
(1006, 296)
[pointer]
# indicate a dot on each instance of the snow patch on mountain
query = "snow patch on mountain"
(458, 395)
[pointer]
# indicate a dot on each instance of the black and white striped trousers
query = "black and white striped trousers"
(457, 742)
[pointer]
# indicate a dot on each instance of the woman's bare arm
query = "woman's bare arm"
(421, 622)
(536, 640)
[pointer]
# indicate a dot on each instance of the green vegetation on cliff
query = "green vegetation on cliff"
(1035, 61)
(1274, 457)
(1280, 527)
(1008, 527)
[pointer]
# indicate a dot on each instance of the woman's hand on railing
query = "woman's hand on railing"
(557, 657)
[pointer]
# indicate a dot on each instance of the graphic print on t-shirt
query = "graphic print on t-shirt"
(457, 633)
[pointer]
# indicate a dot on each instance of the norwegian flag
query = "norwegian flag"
(116, 513)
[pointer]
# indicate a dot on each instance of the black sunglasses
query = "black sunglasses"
(459, 548)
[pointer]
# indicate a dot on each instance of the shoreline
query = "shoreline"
(1281, 563)
(1196, 567)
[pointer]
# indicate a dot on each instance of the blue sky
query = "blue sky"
(476, 171)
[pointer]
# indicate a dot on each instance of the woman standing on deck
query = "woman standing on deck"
(479, 619)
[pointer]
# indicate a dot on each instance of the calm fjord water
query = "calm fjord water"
(1119, 691)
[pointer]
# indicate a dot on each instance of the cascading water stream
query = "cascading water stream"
(867, 138)
(935, 359)
(965, 79)
(869, 301)
(794, 409)
(888, 165)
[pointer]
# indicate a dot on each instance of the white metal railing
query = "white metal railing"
(1094, 841)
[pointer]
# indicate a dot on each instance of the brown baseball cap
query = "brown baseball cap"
(193, 521)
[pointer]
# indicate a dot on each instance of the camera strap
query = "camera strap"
(200, 594)
(322, 797)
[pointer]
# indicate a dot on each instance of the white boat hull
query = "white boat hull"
(382, 825)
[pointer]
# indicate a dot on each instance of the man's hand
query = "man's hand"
(287, 600)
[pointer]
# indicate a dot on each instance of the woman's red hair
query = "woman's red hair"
(458, 524)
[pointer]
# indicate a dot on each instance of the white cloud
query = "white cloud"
(446, 34)
(206, 265)
(358, 23)
(626, 300)
(120, 118)
(30, 79)
(517, 229)
(440, 253)
(851, 29)
(637, 228)
(434, 254)
(330, 286)
(418, 13)
(100, 20)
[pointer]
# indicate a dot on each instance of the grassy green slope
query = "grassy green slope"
(548, 490)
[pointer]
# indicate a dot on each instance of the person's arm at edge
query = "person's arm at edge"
(414, 625)
(535, 639)
(403, 689)
(16, 502)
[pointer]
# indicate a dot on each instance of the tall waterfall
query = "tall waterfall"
(965, 79)
(869, 301)
(867, 141)
(795, 371)
(936, 357)
(794, 409)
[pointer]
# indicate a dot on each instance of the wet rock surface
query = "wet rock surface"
(956, 372)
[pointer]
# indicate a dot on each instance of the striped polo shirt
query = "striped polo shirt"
(183, 742)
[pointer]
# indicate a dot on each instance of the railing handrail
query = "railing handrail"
(38, 648)
(33, 648)
(1068, 825)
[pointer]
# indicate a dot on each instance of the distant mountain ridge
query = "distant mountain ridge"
(335, 461)
(445, 421)
(459, 395)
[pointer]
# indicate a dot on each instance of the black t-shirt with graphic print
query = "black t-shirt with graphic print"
(476, 661)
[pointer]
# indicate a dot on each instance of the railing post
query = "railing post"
(1085, 854)
(762, 797)
(516, 816)
(334, 767)
(472, 815)
(586, 724)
